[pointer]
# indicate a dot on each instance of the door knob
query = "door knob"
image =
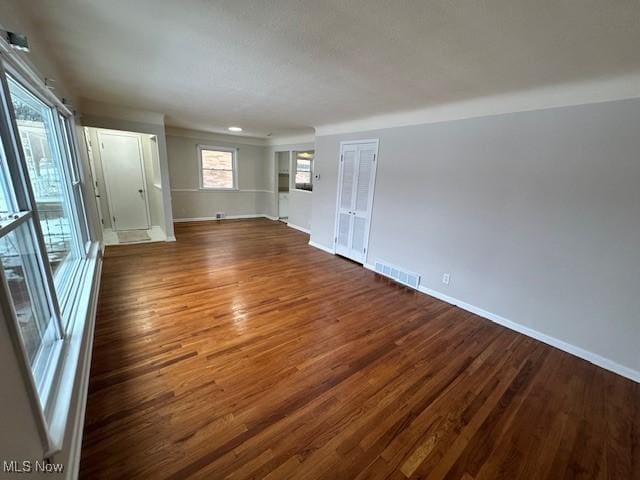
(140, 191)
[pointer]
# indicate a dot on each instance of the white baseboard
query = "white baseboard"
(591, 357)
(270, 217)
(322, 247)
(228, 217)
(298, 227)
(172, 238)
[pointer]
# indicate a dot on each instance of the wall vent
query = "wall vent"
(401, 276)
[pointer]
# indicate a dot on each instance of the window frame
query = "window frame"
(294, 169)
(234, 167)
(50, 393)
(65, 279)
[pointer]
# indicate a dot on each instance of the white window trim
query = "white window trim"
(61, 379)
(234, 166)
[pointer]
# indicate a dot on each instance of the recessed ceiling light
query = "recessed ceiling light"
(235, 129)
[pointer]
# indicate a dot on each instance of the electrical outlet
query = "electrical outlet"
(445, 278)
(220, 215)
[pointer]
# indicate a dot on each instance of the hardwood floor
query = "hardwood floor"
(241, 352)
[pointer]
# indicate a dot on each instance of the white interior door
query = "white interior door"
(123, 166)
(355, 198)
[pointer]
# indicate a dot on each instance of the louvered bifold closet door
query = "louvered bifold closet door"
(347, 200)
(364, 188)
(355, 198)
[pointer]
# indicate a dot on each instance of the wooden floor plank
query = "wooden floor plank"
(239, 351)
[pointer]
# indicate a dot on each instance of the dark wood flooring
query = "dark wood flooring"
(241, 352)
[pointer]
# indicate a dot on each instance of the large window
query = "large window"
(43, 228)
(47, 155)
(304, 170)
(217, 168)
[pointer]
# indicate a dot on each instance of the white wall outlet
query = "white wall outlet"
(445, 278)
(220, 215)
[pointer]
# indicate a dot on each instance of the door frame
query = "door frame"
(336, 219)
(92, 168)
(107, 180)
(276, 179)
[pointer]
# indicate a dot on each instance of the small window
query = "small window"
(304, 170)
(217, 168)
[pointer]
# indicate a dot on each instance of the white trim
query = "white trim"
(172, 238)
(75, 445)
(374, 171)
(591, 357)
(234, 167)
(270, 217)
(298, 227)
(581, 93)
(228, 217)
(322, 247)
(220, 190)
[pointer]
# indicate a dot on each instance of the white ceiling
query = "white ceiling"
(281, 66)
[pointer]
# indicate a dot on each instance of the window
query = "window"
(49, 171)
(42, 227)
(25, 275)
(217, 168)
(304, 170)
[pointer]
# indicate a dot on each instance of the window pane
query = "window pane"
(217, 179)
(6, 202)
(47, 177)
(66, 140)
(217, 159)
(27, 289)
(303, 178)
(304, 167)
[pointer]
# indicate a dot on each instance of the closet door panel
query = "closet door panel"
(357, 176)
(347, 198)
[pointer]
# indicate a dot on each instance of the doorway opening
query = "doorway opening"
(127, 185)
(282, 169)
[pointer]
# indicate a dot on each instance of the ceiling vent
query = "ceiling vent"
(401, 276)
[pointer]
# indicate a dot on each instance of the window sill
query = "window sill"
(69, 400)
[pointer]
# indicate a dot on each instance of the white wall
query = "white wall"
(536, 215)
(190, 202)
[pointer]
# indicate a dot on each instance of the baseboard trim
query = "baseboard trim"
(298, 227)
(228, 217)
(591, 357)
(321, 247)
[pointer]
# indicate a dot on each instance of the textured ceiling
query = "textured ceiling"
(278, 66)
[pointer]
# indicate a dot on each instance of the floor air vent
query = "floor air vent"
(401, 276)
